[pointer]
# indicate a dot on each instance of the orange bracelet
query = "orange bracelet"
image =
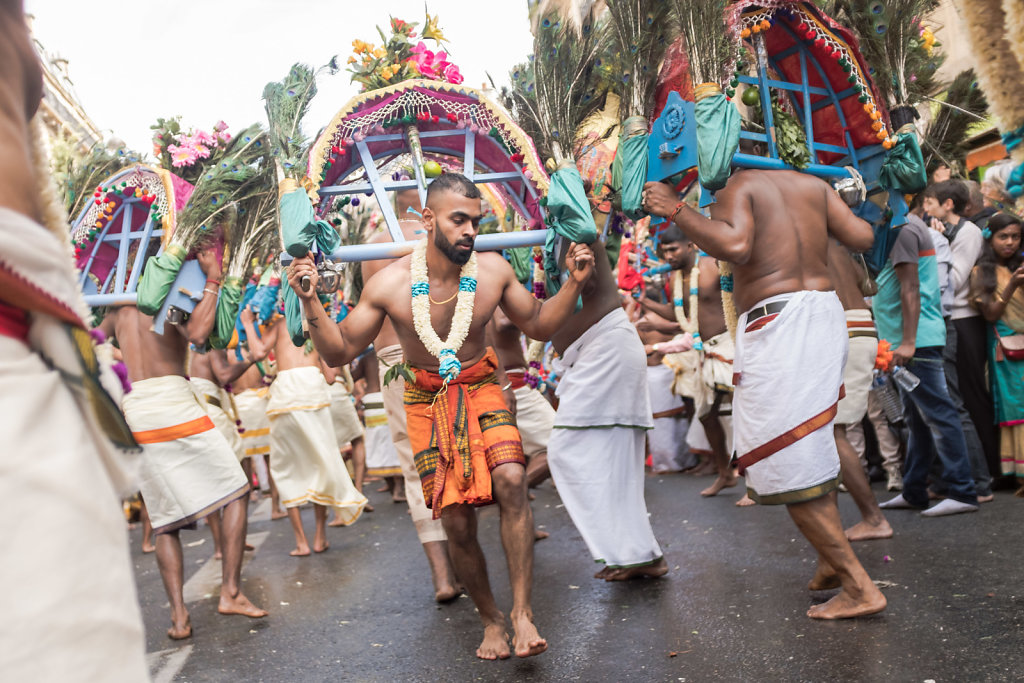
(672, 216)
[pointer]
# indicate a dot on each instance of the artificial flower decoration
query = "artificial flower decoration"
(399, 59)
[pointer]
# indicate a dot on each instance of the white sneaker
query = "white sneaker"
(895, 482)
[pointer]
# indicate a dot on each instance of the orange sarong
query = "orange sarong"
(459, 433)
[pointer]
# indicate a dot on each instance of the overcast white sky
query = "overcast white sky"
(133, 61)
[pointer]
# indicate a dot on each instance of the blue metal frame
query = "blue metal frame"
(120, 292)
(472, 168)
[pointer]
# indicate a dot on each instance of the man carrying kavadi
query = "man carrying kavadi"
(467, 448)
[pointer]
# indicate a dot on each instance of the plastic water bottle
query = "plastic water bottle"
(905, 379)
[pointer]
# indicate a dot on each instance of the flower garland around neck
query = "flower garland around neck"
(445, 351)
(687, 324)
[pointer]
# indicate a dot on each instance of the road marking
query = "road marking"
(205, 583)
(166, 664)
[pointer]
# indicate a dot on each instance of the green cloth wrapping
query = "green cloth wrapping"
(903, 169)
(718, 138)
(227, 310)
(632, 159)
(300, 228)
(522, 263)
(156, 281)
(569, 217)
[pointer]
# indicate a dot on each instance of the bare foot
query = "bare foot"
(336, 522)
(862, 531)
(719, 484)
(703, 469)
(1019, 493)
(745, 501)
(278, 514)
(180, 631)
(218, 555)
(603, 573)
(384, 489)
(526, 641)
(239, 604)
(148, 547)
(539, 535)
(447, 594)
(843, 606)
(825, 579)
(250, 546)
(301, 550)
(495, 643)
(651, 570)
(319, 548)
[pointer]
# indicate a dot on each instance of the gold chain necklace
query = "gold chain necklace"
(442, 303)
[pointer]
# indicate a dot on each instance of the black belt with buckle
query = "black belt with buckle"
(767, 309)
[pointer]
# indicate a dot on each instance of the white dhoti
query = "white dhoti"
(347, 427)
(596, 450)
(381, 455)
(252, 411)
(790, 369)
(66, 583)
(427, 528)
(716, 368)
(305, 461)
(535, 416)
(188, 468)
(213, 399)
(860, 366)
(667, 441)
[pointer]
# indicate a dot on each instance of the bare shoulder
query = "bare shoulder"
(491, 263)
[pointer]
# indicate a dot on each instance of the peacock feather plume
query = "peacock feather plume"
(710, 45)
(78, 176)
(287, 102)
(945, 140)
(642, 31)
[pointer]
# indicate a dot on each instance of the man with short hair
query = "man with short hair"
(467, 449)
(908, 313)
(966, 340)
(791, 342)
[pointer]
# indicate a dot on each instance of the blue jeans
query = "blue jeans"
(934, 430)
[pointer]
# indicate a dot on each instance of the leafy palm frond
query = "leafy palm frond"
(891, 40)
(223, 185)
(945, 140)
(709, 45)
(287, 102)
(557, 89)
(642, 32)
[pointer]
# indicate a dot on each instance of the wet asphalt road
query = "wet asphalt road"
(731, 609)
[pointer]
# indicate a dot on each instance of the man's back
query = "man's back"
(793, 214)
(146, 353)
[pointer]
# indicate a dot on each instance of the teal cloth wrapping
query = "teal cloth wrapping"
(299, 231)
(568, 217)
(157, 279)
(633, 169)
(903, 169)
(522, 263)
(718, 138)
(300, 228)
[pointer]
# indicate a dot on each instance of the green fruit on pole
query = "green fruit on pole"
(751, 96)
(432, 169)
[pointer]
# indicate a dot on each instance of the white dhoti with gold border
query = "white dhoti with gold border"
(381, 454)
(789, 365)
(252, 411)
(188, 468)
(216, 403)
(304, 461)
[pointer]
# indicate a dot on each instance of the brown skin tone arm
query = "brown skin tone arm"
(227, 370)
(330, 374)
(259, 348)
(542, 320)
(910, 303)
(729, 233)
(854, 233)
(991, 308)
(199, 325)
(340, 343)
(666, 310)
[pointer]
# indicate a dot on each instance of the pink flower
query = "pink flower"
(201, 137)
(424, 60)
(220, 127)
(182, 156)
(452, 74)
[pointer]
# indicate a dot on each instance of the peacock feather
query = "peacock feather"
(287, 102)
(642, 31)
(710, 46)
(945, 140)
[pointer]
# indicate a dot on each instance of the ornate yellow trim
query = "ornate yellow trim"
(531, 160)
